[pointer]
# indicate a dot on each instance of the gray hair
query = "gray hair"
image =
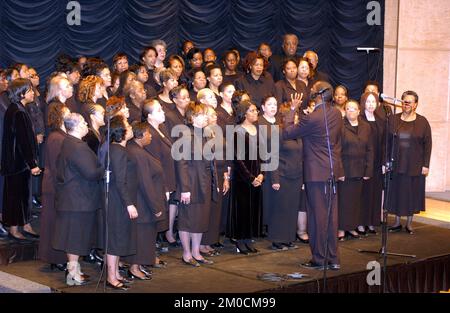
(158, 42)
(72, 120)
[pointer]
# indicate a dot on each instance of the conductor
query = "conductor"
(312, 128)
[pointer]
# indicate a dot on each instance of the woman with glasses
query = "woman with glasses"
(412, 152)
(357, 159)
(245, 215)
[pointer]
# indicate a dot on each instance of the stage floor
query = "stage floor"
(235, 273)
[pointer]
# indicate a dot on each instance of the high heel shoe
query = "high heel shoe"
(60, 267)
(204, 261)
(132, 276)
(394, 229)
(409, 230)
(251, 249)
(191, 262)
(119, 286)
(306, 241)
(349, 234)
(242, 249)
(72, 280)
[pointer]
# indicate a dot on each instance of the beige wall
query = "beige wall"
(423, 65)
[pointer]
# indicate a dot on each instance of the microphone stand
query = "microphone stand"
(106, 201)
(387, 183)
(330, 193)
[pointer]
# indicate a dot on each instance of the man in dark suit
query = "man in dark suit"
(316, 158)
(313, 58)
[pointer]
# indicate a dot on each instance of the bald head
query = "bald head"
(290, 44)
(312, 57)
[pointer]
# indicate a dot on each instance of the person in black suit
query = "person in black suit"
(194, 212)
(340, 98)
(90, 90)
(78, 173)
(198, 83)
(136, 95)
(316, 163)
(55, 258)
(357, 159)
(168, 81)
(59, 90)
(19, 160)
(230, 67)
(412, 153)
(96, 120)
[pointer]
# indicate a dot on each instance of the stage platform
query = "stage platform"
(236, 273)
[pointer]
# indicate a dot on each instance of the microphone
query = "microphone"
(321, 91)
(367, 49)
(384, 97)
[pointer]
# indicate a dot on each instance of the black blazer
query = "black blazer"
(151, 196)
(257, 89)
(357, 150)
(284, 90)
(311, 128)
(52, 149)
(78, 174)
(19, 146)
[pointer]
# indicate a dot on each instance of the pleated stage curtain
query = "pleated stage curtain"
(35, 31)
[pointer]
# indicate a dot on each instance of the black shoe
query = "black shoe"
(120, 286)
(349, 234)
(60, 267)
(92, 258)
(218, 246)
(37, 203)
(290, 245)
(30, 235)
(251, 249)
(145, 270)
(241, 248)
(409, 231)
(371, 231)
(278, 246)
(395, 229)
(132, 276)
(160, 264)
(19, 240)
(306, 241)
(334, 267)
(313, 265)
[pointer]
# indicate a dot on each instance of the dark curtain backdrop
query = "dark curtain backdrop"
(35, 31)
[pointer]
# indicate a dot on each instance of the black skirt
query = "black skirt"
(17, 199)
(282, 217)
(121, 233)
(74, 232)
(193, 218)
(406, 195)
(349, 203)
(145, 245)
(212, 235)
(372, 201)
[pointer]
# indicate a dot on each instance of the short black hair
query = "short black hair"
(17, 89)
(118, 129)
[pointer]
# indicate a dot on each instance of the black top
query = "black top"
(78, 174)
(92, 140)
(284, 90)
(231, 78)
(150, 191)
(357, 149)
(257, 89)
(413, 147)
(135, 113)
(277, 62)
(166, 106)
(19, 146)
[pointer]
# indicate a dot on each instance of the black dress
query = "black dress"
(282, 214)
(194, 218)
(412, 152)
(245, 214)
(19, 156)
(78, 194)
(48, 215)
(373, 188)
(150, 200)
(121, 229)
(357, 159)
